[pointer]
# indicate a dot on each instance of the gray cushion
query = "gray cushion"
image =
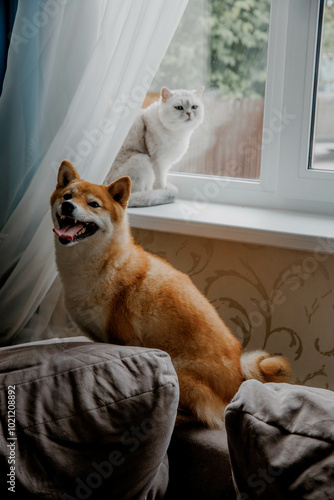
(93, 420)
(281, 441)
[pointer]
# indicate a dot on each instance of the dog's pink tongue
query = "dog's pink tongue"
(68, 232)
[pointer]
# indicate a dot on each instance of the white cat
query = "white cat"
(158, 139)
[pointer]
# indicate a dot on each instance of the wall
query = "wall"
(272, 298)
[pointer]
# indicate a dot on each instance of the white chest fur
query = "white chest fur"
(85, 300)
(166, 147)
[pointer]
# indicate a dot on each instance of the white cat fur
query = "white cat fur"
(158, 139)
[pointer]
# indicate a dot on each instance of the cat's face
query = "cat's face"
(181, 109)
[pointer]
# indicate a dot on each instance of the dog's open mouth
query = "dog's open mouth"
(71, 229)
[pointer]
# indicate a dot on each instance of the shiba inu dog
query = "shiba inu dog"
(116, 292)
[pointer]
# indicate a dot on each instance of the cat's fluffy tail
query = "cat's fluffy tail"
(153, 197)
(262, 366)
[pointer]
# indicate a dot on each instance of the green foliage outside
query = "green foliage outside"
(221, 44)
(238, 43)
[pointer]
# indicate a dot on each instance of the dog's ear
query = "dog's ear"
(66, 174)
(120, 190)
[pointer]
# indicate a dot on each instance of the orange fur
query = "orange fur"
(116, 292)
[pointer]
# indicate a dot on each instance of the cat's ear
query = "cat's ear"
(66, 174)
(120, 190)
(199, 91)
(165, 94)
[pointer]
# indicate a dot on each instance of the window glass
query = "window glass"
(221, 44)
(323, 146)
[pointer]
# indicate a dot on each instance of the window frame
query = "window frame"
(286, 181)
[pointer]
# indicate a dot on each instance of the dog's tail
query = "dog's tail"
(153, 197)
(262, 366)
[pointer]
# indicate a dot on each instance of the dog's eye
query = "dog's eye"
(94, 204)
(67, 196)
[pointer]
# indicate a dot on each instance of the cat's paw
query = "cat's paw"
(172, 188)
(159, 185)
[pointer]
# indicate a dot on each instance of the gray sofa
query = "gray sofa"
(281, 442)
(96, 421)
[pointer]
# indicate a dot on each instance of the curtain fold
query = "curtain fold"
(7, 17)
(77, 74)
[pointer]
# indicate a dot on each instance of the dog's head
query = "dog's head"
(81, 210)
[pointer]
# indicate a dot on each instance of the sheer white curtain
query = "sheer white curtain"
(77, 73)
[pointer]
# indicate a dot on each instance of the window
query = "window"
(263, 136)
(323, 146)
(223, 46)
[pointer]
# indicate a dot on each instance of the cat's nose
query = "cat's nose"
(189, 113)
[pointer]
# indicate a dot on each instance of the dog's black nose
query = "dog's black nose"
(67, 208)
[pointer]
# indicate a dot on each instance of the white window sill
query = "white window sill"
(263, 226)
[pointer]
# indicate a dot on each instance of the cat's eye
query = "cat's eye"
(67, 196)
(194, 107)
(94, 204)
(179, 108)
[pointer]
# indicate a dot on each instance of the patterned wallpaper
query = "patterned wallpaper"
(272, 298)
